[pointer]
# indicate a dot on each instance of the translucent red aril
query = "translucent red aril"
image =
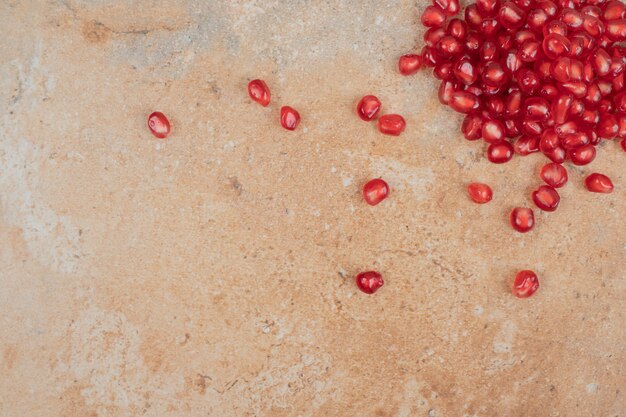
(369, 282)
(493, 131)
(571, 18)
(546, 198)
(526, 284)
(159, 125)
(464, 102)
(391, 124)
(528, 81)
(410, 64)
(458, 29)
(449, 46)
(368, 107)
(465, 71)
(616, 30)
(536, 19)
(472, 126)
(449, 7)
(529, 51)
(555, 175)
(555, 45)
(433, 16)
(500, 152)
(289, 118)
(537, 108)
(601, 62)
(446, 89)
(259, 92)
(608, 126)
(473, 16)
(488, 51)
(599, 183)
(487, 8)
(511, 16)
(522, 219)
(375, 191)
(614, 10)
(582, 155)
(526, 145)
(479, 193)
(433, 35)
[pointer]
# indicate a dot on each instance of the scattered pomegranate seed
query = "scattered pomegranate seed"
(479, 193)
(409, 64)
(369, 282)
(159, 125)
(259, 92)
(522, 219)
(368, 107)
(525, 284)
(289, 118)
(555, 175)
(391, 124)
(599, 183)
(500, 152)
(375, 191)
(546, 198)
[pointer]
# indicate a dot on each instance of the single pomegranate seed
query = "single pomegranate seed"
(443, 71)
(289, 118)
(560, 108)
(511, 16)
(608, 126)
(488, 8)
(574, 140)
(391, 124)
(368, 107)
(528, 80)
(465, 72)
(526, 284)
(449, 46)
(433, 16)
(464, 102)
(446, 89)
(571, 18)
(512, 104)
(616, 30)
(449, 7)
(537, 108)
(500, 152)
(433, 35)
(546, 198)
(522, 219)
(529, 51)
(556, 155)
(599, 183)
(159, 125)
(259, 92)
(493, 131)
(410, 64)
(555, 45)
(369, 282)
(375, 191)
(479, 193)
(458, 29)
(526, 145)
(601, 62)
(473, 17)
(614, 10)
(472, 126)
(582, 155)
(537, 19)
(555, 175)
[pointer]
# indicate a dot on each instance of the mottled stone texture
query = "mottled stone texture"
(210, 274)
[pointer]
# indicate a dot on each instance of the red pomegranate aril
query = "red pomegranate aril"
(561, 69)
(159, 125)
(479, 193)
(555, 175)
(369, 282)
(473, 16)
(555, 26)
(620, 102)
(500, 152)
(577, 88)
(511, 16)
(433, 16)
(566, 128)
(494, 106)
(593, 26)
(522, 219)
(523, 4)
(289, 118)
(410, 64)
(465, 72)
(537, 108)
(560, 108)
(368, 107)
(443, 71)
(493, 131)
(576, 109)
(391, 124)
(528, 81)
(449, 7)
(590, 116)
(614, 10)
(446, 89)
(601, 62)
(526, 284)
(532, 127)
(593, 95)
(616, 30)
(591, 10)
(522, 36)
(259, 92)
(489, 27)
(513, 127)
(571, 18)
(605, 106)
(429, 56)
(458, 29)
(582, 155)
(576, 46)
(473, 42)
(464, 102)
(555, 45)
(575, 140)
(608, 126)
(547, 6)
(487, 8)
(375, 191)
(599, 183)
(549, 141)
(433, 35)
(536, 20)
(512, 61)
(529, 51)
(542, 68)
(493, 74)
(449, 46)
(526, 145)
(512, 103)
(556, 155)
(488, 51)
(546, 198)
(472, 126)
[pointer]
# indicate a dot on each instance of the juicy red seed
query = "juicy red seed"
(443, 71)
(446, 89)
(449, 46)
(433, 16)
(458, 29)
(546, 198)
(259, 92)
(599, 183)
(465, 72)
(555, 175)
(582, 155)
(537, 108)
(560, 108)
(487, 7)
(410, 64)
(479, 193)
(289, 118)
(522, 219)
(529, 51)
(614, 10)
(368, 107)
(464, 102)
(375, 191)
(473, 17)
(500, 152)
(556, 155)
(526, 145)
(369, 282)
(601, 62)
(449, 7)
(511, 16)
(159, 125)
(555, 45)
(433, 35)
(616, 30)
(571, 18)
(493, 131)
(608, 126)
(472, 126)
(526, 284)
(575, 140)
(391, 124)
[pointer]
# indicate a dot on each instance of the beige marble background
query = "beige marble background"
(210, 274)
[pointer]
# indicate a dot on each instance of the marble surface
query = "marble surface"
(210, 274)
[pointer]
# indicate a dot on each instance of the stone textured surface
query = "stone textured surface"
(211, 273)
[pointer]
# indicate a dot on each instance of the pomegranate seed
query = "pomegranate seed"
(479, 193)
(259, 92)
(526, 284)
(522, 219)
(555, 45)
(465, 72)
(537, 108)
(433, 16)
(369, 282)
(526, 145)
(473, 17)
(159, 125)
(391, 124)
(375, 191)
(443, 71)
(449, 7)
(493, 131)
(289, 118)
(472, 126)
(599, 183)
(433, 35)
(546, 198)
(511, 16)
(464, 102)
(616, 29)
(608, 126)
(555, 175)
(487, 8)
(601, 62)
(449, 46)
(458, 29)
(614, 10)
(529, 51)
(446, 89)
(368, 107)
(571, 18)
(582, 155)
(410, 64)
(500, 152)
